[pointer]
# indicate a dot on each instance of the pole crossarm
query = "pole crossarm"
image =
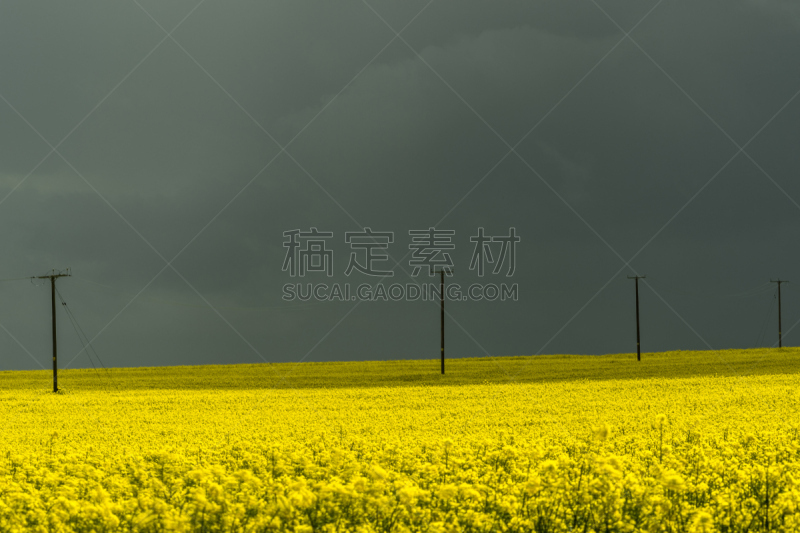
(53, 275)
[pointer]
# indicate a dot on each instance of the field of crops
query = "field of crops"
(683, 441)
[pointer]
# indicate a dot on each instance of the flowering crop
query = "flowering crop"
(704, 453)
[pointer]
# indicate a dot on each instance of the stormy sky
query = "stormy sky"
(161, 150)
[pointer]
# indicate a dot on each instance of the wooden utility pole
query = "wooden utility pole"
(53, 277)
(441, 299)
(779, 281)
(638, 339)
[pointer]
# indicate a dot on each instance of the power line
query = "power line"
(87, 344)
(205, 306)
(758, 290)
(763, 330)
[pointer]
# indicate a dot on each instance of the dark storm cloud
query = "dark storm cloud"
(182, 158)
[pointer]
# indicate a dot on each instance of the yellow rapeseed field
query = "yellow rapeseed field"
(683, 441)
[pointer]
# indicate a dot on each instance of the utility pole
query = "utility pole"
(638, 339)
(779, 281)
(53, 275)
(441, 299)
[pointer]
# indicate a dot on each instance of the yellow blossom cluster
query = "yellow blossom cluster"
(702, 454)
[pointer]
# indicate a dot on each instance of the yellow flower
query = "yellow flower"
(376, 472)
(447, 492)
(703, 522)
(672, 481)
(600, 432)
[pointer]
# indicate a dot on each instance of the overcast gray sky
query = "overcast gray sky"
(161, 150)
